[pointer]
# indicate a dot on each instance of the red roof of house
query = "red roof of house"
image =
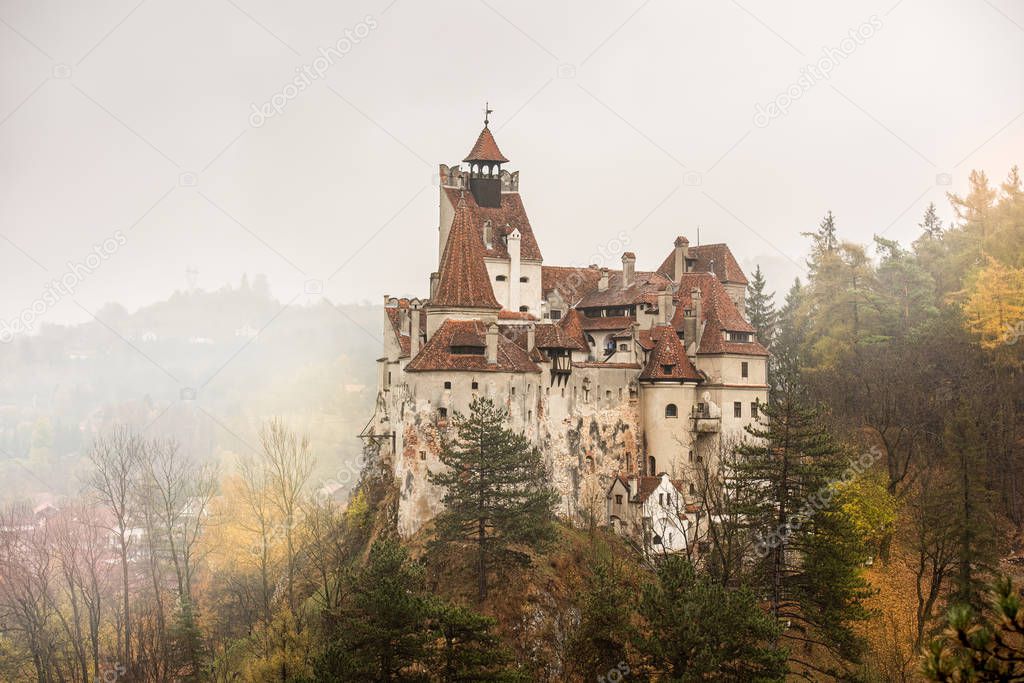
(708, 256)
(485, 149)
(437, 353)
(463, 281)
(648, 485)
(571, 283)
(719, 315)
(511, 215)
(614, 322)
(644, 289)
(668, 360)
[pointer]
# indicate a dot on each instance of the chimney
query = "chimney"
(531, 337)
(664, 301)
(633, 487)
(514, 269)
(414, 330)
(492, 344)
(698, 308)
(681, 254)
(434, 278)
(602, 283)
(628, 269)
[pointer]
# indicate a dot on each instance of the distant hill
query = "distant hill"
(204, 367)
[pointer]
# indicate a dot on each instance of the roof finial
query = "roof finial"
(487, 113)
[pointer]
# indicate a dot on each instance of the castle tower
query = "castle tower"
(485, 160)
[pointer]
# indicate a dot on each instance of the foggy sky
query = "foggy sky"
(134, 119)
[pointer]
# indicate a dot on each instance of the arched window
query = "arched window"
(476, 168)
(671, 410)
(652, 465)
(487, 170)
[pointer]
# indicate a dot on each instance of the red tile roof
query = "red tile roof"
(505, 218)
(463, 281)
(725, 265)
(607, 366)
(485, 149)
(437, 354)
(648, 485)
(615, 322)
(668, 360)
(644, 289)
(515, 315)
(719, 315)
(571, 283)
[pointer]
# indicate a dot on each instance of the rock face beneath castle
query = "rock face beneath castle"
(619, 376)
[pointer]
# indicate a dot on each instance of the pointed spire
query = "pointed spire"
(668, 359)
(463, 281)
(486, 149)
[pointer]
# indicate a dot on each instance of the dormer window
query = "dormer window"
(500, 278)
(738, 336)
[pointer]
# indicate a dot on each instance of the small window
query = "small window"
(618, 499)
(693, 489)
(661, 499)
(737, 409)
(608, 393)
(442, 412)
(671, 410)
(447, 385)
(690, 456)
(656, 540)
(423, 455)
(555, 314)
(753, 409)
(524, 309)
(667, 369)
(652, 465)
(524, 279)
(623, 347)
(500, 278)
(513, 391)
(529, 414)
(744, 369)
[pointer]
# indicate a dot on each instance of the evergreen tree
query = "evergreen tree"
(761, 308)
(970, 507)
(904, 292)
(787, 360)
(599, 642)
(931, 224)
(700, 630)
(824, 241)
(383, 627)
(466, 649)
(982, 647)
(809, 551)
(497, 500)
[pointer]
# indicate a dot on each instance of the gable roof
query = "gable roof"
(485, 149)
(437, 353)
(719, 314)
(509, 216)
(715, 258)
(394, 314)
(570, 282)
(668, 361)
(463, 281)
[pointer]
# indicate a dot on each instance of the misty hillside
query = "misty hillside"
(204, 367)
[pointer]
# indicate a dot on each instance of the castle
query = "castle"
(625, 379)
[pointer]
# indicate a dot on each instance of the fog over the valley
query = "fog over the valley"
(203, 202)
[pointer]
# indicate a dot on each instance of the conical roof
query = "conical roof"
(668, 359)
(486, 149)
(463, 281)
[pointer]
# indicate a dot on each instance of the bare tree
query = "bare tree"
(257, 498)
(115, 459)
(289, 462)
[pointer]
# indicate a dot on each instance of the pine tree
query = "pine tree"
(466, 649)
(787, 361)
(931, 224)
(809, 551)
(824, 241)
(498, 500)
(384, 620)
(700, 630)
(599, 643)
(761, 308)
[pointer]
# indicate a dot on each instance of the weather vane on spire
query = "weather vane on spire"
(487, 113)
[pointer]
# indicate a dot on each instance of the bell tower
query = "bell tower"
(484, 165)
